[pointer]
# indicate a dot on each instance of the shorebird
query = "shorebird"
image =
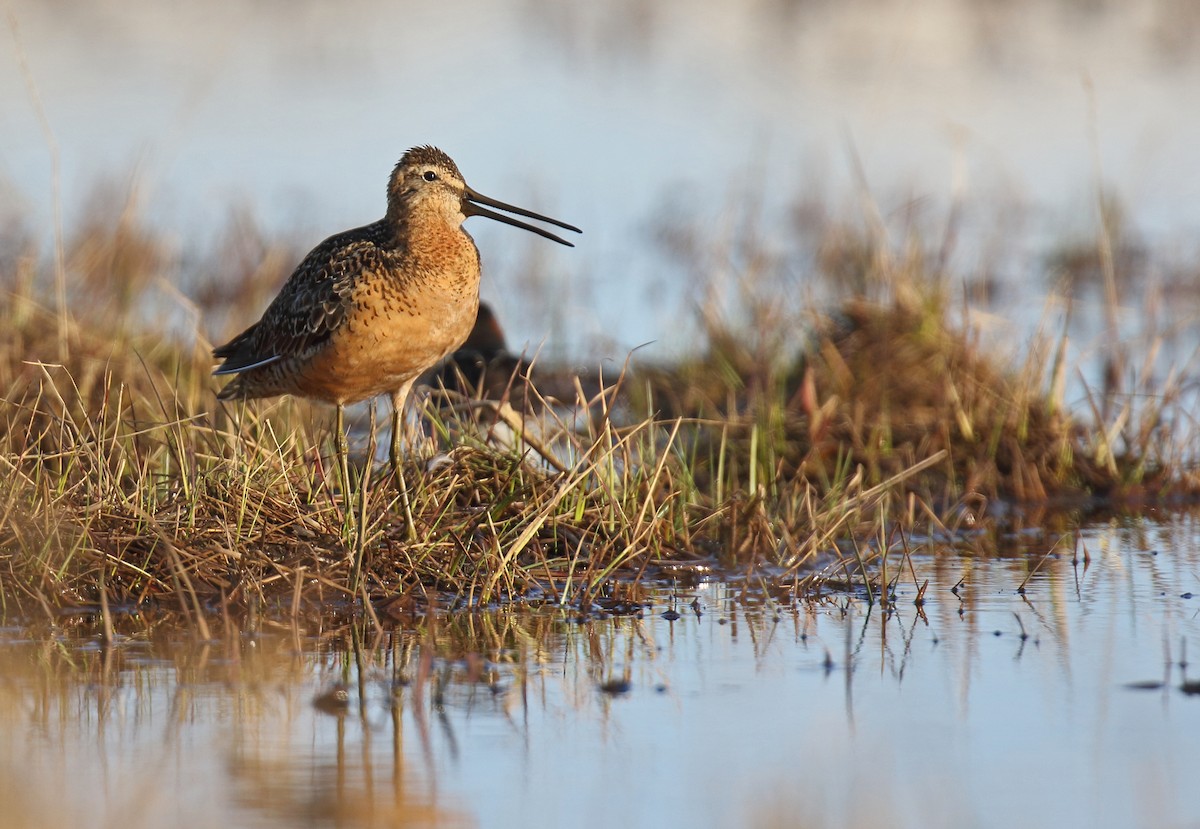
(369, 310)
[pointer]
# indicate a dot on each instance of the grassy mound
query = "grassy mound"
(885, 385)
(782, 451)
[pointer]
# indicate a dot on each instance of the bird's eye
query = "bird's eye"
(430, 175)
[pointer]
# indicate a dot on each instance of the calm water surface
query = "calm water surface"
(622, 117)
(748, 713)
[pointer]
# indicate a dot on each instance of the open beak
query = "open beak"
(471, 207)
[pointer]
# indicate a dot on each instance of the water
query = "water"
(617, 116)
(990, 708)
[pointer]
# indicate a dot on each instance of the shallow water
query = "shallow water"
(991, 708)
(618, 116)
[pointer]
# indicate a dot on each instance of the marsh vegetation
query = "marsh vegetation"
(794, 443)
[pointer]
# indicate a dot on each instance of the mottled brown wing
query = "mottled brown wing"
(311, 305)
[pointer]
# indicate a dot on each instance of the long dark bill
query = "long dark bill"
(471, 207)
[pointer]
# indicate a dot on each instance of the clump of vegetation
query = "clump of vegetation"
(808, 445)
(888, 376)
(886, 385)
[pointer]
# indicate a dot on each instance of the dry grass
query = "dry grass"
(887, 385)
(124, 482)
(894, 372)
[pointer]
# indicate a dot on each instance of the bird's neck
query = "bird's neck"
(438, 249)
(407, 229)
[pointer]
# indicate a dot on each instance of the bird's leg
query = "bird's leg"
(360, 517)
(342, 448)
(372, 441)
(399, 396)
(341, 445)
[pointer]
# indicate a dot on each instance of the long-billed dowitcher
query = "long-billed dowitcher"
(368, 310)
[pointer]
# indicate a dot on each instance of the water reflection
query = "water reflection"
(1070, 702)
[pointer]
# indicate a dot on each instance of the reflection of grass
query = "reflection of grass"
(103, 737)
(123, 479)
(93, 737)
(232, 716)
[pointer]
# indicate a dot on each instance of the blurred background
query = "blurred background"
(664, 129)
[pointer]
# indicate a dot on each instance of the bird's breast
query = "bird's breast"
(402, 320)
